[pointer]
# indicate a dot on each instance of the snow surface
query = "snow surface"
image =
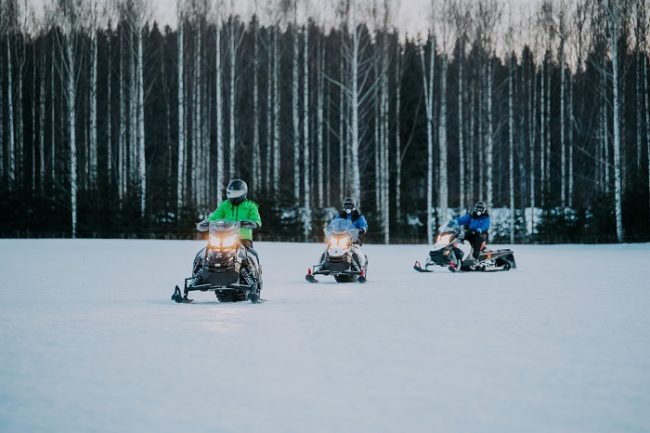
(91, 342)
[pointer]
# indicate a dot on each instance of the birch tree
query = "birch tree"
(428, 73)
(614, 19)
(70, 22)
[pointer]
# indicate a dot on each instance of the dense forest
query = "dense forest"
(112, 125)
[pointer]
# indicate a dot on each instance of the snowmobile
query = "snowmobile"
(224, 266)
(452, 252)
(339, 259)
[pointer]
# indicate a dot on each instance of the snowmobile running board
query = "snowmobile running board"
(418, 267)
(183, 299)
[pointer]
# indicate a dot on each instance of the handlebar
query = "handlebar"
(204, 225)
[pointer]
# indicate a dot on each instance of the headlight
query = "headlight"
(214, 241)
(230, 242)
(444, 238)
(227, 243)
(342, 241)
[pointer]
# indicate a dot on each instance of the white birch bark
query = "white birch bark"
(231, 117)
(542, 130)
(71, 96)
(269, 115)
(295, 112)
(221, 157)
(427, 77)
(41, 122)
(121, 146)
(93, 110)
(563, 149)
(532, 110)
(511, 146)
(109, 110)
(180, 182)
(398, 138)
(489, 148)
(257, 167)
(570, 144)
(276, 116)
(319, 124)
(647, 116)
(615, 22)
(461, 130)
(142, 168)
(443, 187)
(11, 145)
(52, 123)
(354, 107)
(306, 139)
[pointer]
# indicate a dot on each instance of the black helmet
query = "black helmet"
(480, 208)
(236, 191)
(349, 203)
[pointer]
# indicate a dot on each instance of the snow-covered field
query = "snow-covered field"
(91, 342)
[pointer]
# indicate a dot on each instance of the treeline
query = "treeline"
(111, 125)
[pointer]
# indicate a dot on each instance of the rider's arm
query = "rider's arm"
(464, 220)
(254, 214)
(361, 223)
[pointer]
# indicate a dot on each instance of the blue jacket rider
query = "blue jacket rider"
(478, 224)
(351, 214)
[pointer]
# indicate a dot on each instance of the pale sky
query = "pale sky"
(411, 16)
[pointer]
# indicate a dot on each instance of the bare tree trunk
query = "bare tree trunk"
(109, 109)
(489, 148)
(93, 110)
(461, 132)
(276, 116)
(20, 139)
(385, 202)
(542, 130)
(232, 141)
(532, 108)
(354, 107)
(319, 122)
(511, 146)
(121, 147)
(10, 118)
(71, 94)
(571, 126)
(180, 182)
(615, 31)
(647, 118)
(306, 150)
(257, 167)
(563, 150)
(141, 137)
(52, 123)
(443, 186)
(398, 139)
(295, 111)
(269, 114)
(428, 76)
(605, 128)
(547, 169)
(218, 84)
(472, 143)
(342, 132)
(41, 121)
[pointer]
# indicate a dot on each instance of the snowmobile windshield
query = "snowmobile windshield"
(340, 227)
(451, 226)
(224, 235)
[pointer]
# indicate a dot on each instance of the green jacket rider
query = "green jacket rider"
(238, 208)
